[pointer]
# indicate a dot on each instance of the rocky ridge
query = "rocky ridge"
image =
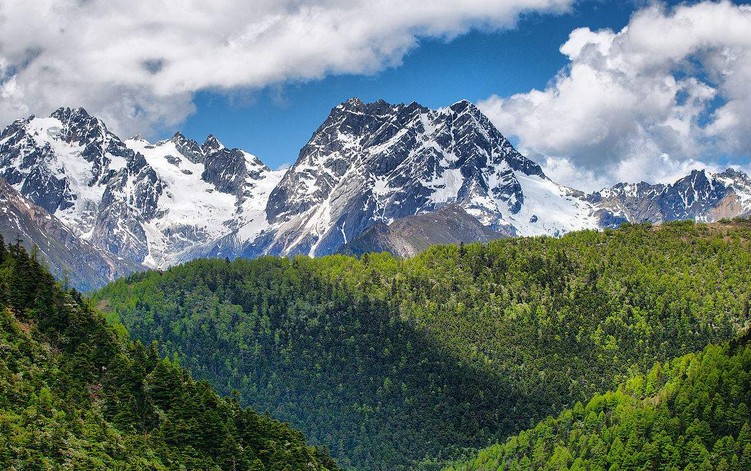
(367, 174)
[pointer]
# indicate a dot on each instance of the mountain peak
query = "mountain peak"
(466, 107)
(65, 113)
(212, 144)
(188, 147)
(697, 177)
(80, 126)
(731, 172)
(353, 102)
(179, 138)
(463, 103)
(356, 105)
(398, 160)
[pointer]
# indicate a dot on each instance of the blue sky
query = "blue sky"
(274, 123)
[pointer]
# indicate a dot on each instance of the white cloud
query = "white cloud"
(138, 63)
(667, 93)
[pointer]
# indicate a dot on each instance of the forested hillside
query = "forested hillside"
(691, 414)
(405, 363)
(76, 393)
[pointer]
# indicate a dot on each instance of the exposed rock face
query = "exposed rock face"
(227, 169)
(371, 163)
(408, 236)
(701, 196)
(85, 266)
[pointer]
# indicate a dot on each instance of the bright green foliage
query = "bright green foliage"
(405, 363)
(696, 418)
(77, 394)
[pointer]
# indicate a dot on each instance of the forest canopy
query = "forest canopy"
(404, 364)
(76, 393)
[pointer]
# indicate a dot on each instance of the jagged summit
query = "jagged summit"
(63, 113)
(702, 195)
(734, 174)
(378, 107)
(189, 148)
(212, 144)
(150, 204)
(465, 105)
(353, 102)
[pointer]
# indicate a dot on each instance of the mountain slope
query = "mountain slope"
(151, 204)
(408, 236)
(69, 257)
(210, 193)
(412, 361)
(381, 394)
(691, 413)
(78, 394)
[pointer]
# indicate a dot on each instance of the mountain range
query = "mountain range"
(366, 180)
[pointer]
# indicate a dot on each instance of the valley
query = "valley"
(323, 235)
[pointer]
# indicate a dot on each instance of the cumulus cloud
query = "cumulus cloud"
(667, 93)
(137, 63)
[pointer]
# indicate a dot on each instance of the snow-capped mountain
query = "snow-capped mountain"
(63, 163)
(151, 204)
(367, 166)
(375, 163)
(70, 165)
(702, 196)
(210, 191)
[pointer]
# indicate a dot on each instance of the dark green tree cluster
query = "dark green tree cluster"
(689, 414)
(400, 364)
(380, 393)
(76, 393)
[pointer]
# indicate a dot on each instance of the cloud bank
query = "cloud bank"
(138, 63)
(669, 92)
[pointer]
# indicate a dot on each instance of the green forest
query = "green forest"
(690, 414)
(412, 364)
(76, 393)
